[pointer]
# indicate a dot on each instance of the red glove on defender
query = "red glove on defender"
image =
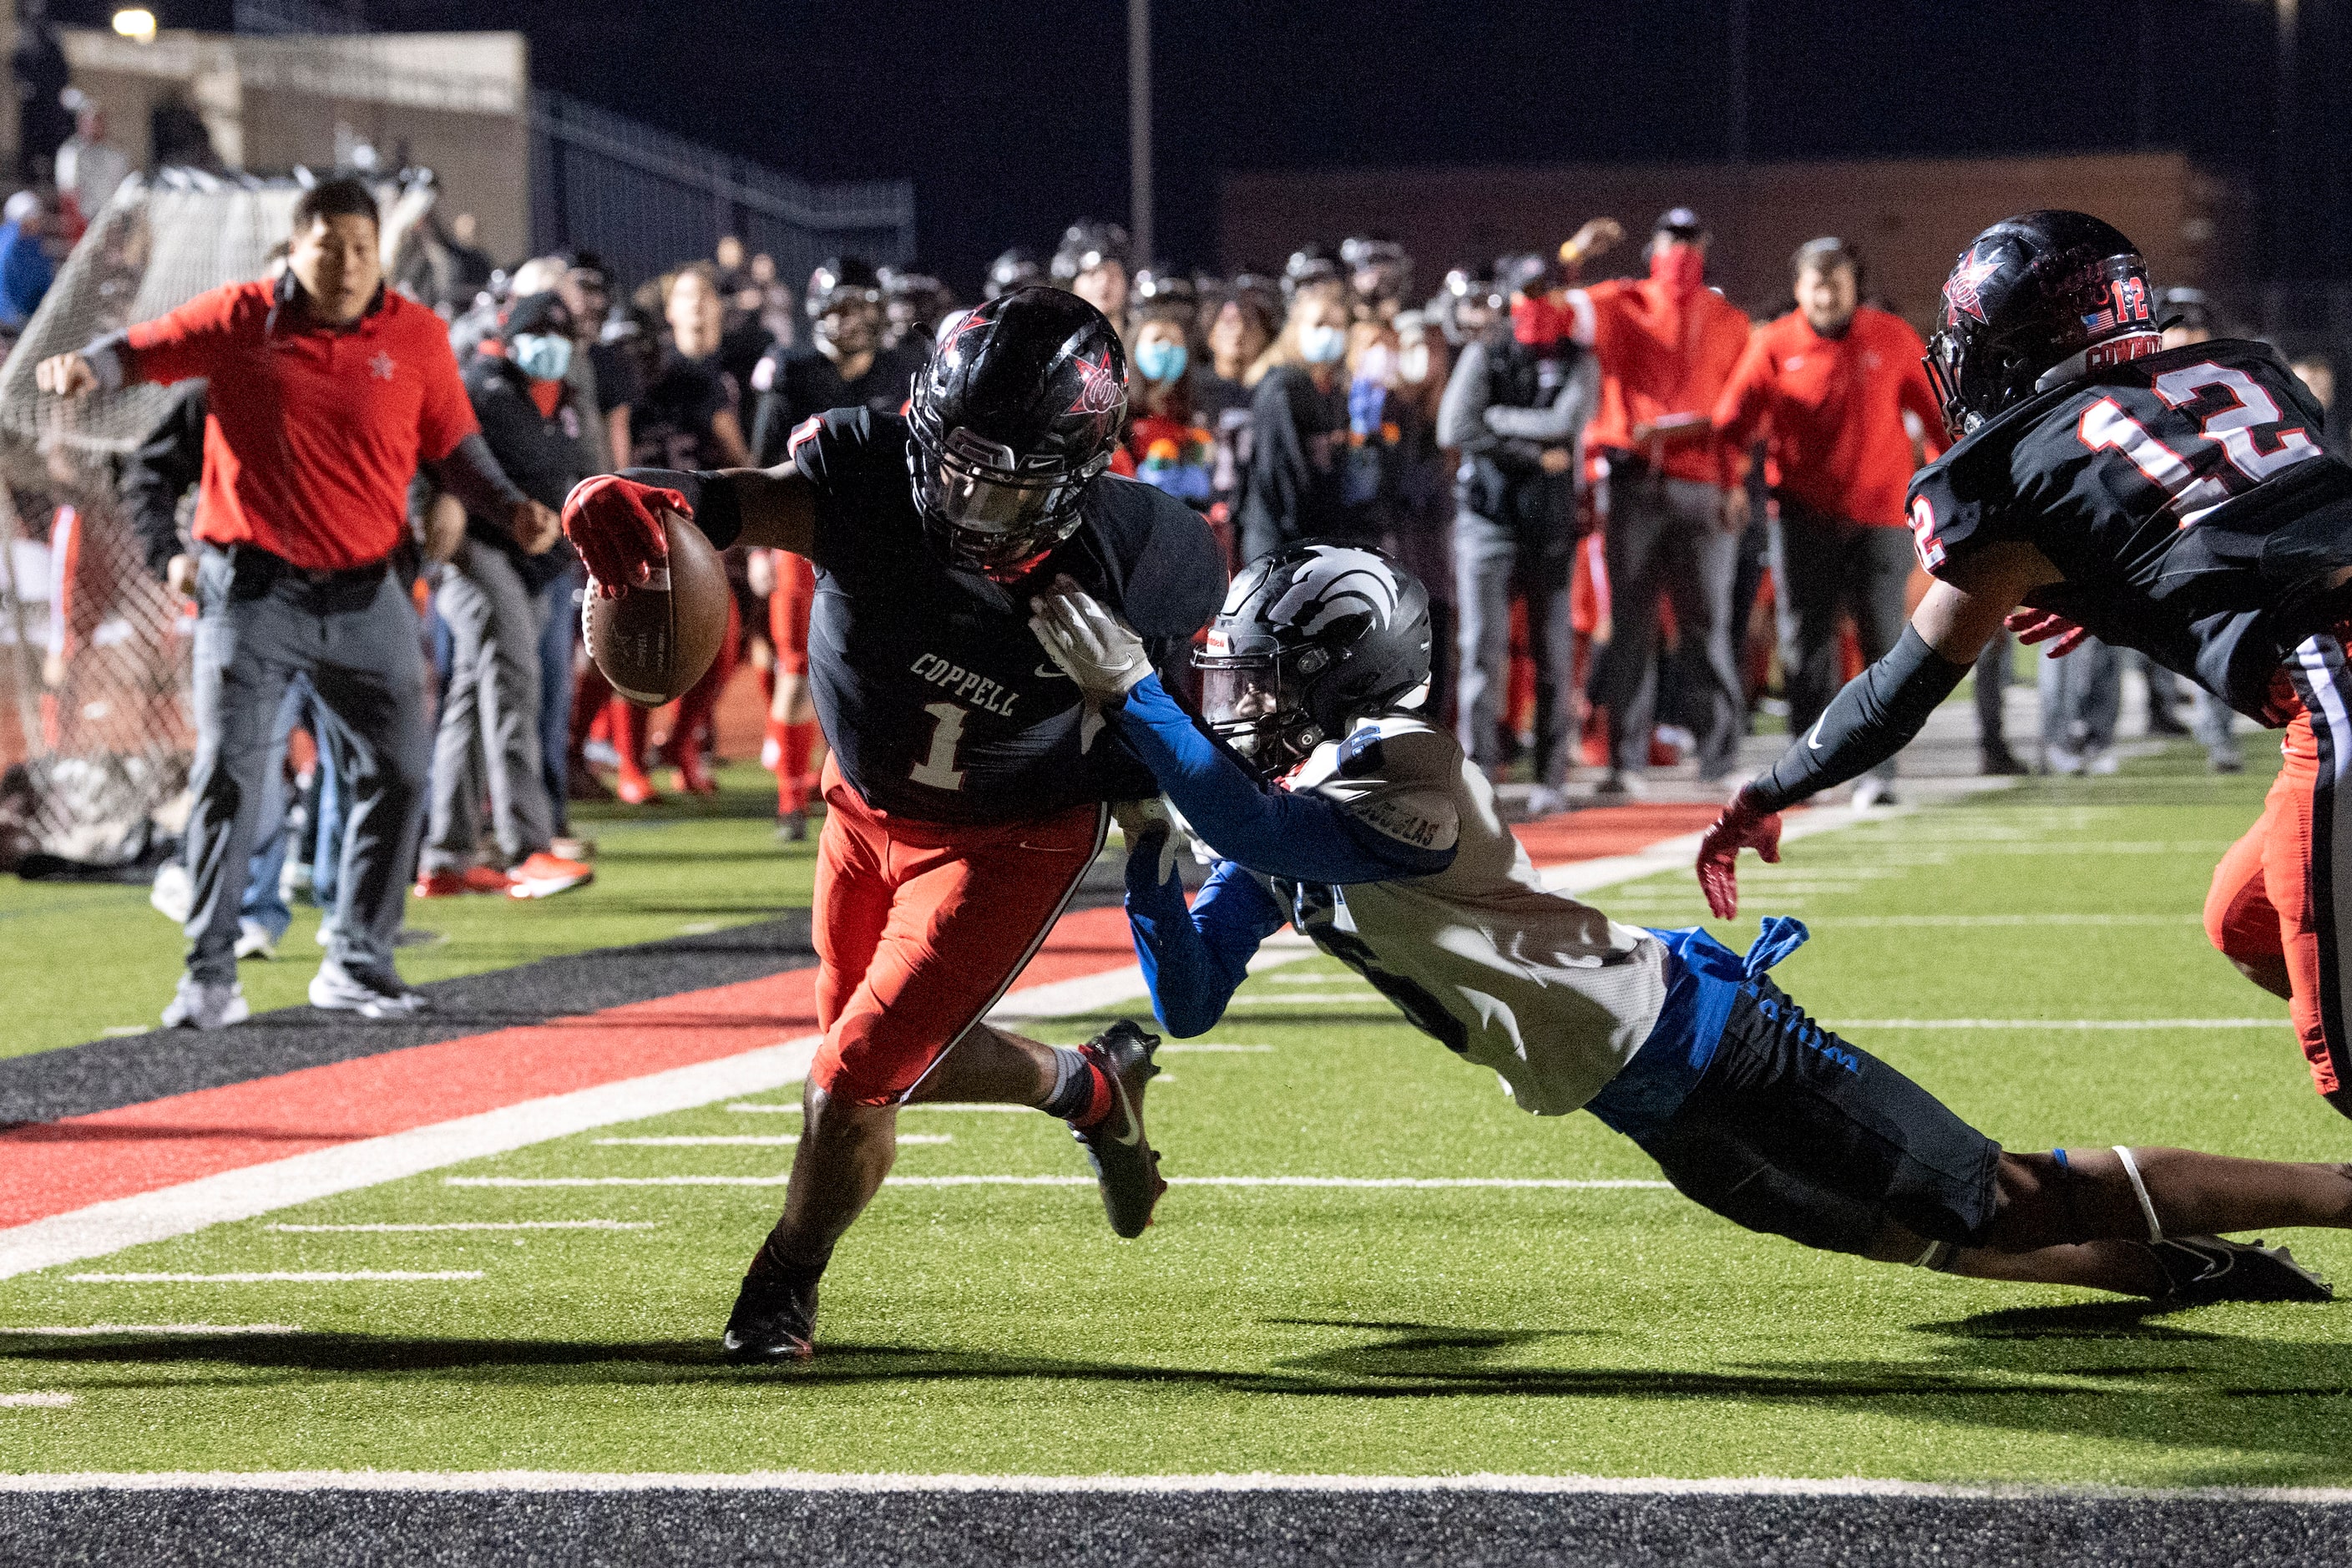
(616, 526)
(1742, 826)
(2039, 625)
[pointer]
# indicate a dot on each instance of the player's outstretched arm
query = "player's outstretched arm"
(1877, 713)
(1194, 959)
(615, 521)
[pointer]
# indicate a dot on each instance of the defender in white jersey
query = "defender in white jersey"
(1377, 839)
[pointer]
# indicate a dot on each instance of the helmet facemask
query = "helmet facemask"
(1248, 705)
(983, 512)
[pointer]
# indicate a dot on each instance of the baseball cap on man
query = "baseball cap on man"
(543, 313)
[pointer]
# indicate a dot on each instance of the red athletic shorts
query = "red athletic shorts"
(2284, 891)
(922, 926)
(788, 611)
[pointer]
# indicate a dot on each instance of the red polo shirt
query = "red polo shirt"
(314, 433)
(1661, 355)
(1831, 410)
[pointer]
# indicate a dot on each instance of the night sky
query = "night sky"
(1011, 118)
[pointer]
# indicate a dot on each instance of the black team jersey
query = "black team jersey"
(938, 700)
(794, 383)
(2184, 496)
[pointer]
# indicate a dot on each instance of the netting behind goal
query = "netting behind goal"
(94, 652)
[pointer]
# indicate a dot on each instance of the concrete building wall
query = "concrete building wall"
(1908, 216)
(457, 102)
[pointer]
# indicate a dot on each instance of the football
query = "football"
(654, 643)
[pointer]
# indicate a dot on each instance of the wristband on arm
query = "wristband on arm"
(1872, 717)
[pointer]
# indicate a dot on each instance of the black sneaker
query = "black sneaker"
(773, 1320)
(2202, 1269)
(2000, 762)
(1124, 1164)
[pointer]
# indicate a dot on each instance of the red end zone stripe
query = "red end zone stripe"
(58, 1166)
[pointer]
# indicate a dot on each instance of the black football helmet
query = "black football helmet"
(2034, 301)
(1378, 267)
(1087, 244)
(1310, 263)
(1016, 412)
(844, 307)
(1016, 269)
(1311, 638)
(1162, 285)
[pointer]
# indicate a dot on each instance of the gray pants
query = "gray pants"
(2081, 694)
(2211, 723)
(489, 719)
(1832, 568)
(1992, 681)
(1664, 537)
(355, 636)
(1489, 562)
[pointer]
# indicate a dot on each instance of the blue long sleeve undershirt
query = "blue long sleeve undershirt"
(1194, 959)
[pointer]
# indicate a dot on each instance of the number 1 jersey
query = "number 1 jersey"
(937, 700)
(2185, 498)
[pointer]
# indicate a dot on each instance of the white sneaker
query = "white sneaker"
(1870, 790)
(2101, 765)
(335, 989)
(1546, 801)
(199, 1005)
(173, 894)
(2062, 761)
(254, 941)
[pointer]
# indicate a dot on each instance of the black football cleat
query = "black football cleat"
(1126, 1167)
(2201, 1269)
(773, 1320)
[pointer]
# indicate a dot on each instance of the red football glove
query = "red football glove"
(1742, 826)
(616, 526)
(2039, 625)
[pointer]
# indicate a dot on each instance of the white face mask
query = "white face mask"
(1322, 344)
(1413, 363)
(1378, 363)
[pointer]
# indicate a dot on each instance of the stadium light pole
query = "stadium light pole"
(1138, 128)
(2282, 203)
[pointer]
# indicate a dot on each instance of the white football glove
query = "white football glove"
(1150, 830)
(1100, 653)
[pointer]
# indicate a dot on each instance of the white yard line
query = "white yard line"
(89, 1331)
(474, 1224)
(1840, 922)
(883, 1482)
(36, 1401)
(280, 1277)
(2091, 1023)
(1408, 1182)
(1181, 1048)
(750, 1140)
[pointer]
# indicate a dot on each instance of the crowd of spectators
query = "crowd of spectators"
(1645, 519)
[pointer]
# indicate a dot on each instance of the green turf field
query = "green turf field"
(1379, 1329)
(684, 866)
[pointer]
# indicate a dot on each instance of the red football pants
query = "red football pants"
(788, 611)
(920, 927)
(2279, 894)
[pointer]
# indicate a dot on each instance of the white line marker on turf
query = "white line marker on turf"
(88, 1331)
(2184, 921)
(480, 1224)
(1170, 1049)
(2063, 1024)
(777, 1181)
(36, 1401)
(749, 1140)
(279, 1277)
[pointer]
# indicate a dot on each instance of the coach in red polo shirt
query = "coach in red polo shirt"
(328, 393)
(1828, 386)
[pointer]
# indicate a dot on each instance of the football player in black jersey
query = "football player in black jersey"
(2172, 500)
(970, 786)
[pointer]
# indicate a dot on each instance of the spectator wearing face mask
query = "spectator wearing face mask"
(1676, 507)
(1172, 450)
(1834, 387)
(1420, 522)
(492, 596)
(1515, 408)
(1300, 427)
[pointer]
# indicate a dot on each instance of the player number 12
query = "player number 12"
(939, 769)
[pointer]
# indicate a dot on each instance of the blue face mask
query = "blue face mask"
(542, 356)
(1323, 344)
(1161, 360)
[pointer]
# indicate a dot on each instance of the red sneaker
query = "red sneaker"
(544, 875)
(450, 884)
(693, 778)
(635, 789)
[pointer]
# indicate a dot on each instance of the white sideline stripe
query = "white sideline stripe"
(101, 1228)
(898, 1181)
(86, 1330)
(750, 1140)
(279, 1277)
(1842, 922)
(1179, 1048)
(1250, 1482)
(478, 1225)
(36, 1401)
(925, 1105)
(2063, 1024)
(1678, 854)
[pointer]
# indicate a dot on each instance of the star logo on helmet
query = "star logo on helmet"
(969, 321)
(1099, 389)
(1960, 288)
